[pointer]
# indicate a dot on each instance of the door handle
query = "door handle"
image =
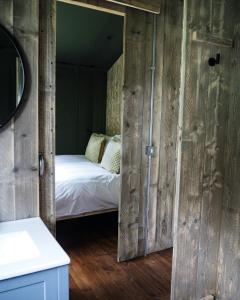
(41, 165)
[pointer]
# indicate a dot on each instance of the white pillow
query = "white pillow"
(95, 147)
(107, 140)
(112, 157)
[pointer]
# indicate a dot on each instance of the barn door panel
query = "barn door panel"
(202, 123)
(136, 92)
(145, 225)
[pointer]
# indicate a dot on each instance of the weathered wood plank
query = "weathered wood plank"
(115, 80)
(211, 39)
(167, 81)
(19, 140)
(166, 118)
(228, 265)
(47, 89)
(152, 6)
(204, 114)
(213, 171)
(145, 221)
(100, 5)
(133, 97)
(26, 127)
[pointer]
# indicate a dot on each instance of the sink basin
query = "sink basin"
(17, 246)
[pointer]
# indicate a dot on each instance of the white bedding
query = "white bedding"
(82, 186)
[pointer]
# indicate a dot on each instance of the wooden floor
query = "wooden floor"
(91, 243)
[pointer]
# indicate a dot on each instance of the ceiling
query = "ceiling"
(88, 37)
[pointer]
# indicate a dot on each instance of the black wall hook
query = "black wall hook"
(214, 61)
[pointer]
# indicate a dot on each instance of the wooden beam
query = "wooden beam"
(47, 50)
(200, 37)
(210, 297)
(152, 6)
(99, 5)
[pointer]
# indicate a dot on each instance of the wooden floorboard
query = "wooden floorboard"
(91, 243)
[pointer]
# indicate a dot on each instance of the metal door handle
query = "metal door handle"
(41, 165)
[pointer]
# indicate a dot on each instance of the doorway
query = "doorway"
(89, 81)
(133, 240)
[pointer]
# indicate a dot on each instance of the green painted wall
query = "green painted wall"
(88, 37)
(88, 44)
(81, 107)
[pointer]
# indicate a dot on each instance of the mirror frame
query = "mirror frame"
(21, 55)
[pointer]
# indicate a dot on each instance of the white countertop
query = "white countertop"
(26, 246)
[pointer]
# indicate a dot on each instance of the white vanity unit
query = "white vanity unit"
(33, 266)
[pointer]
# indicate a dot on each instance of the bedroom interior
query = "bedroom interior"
(89, 81)
(177, 233)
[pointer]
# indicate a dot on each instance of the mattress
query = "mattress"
(83, 187)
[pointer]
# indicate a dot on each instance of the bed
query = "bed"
(84, 188)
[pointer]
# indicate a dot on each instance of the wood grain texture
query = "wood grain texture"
(47, 67)
(152, 6)
(131, 214)
(19, 181)
(95, 272)
(228, 269)
(228, 265)
(204, 115)
(165, 124)
(26, 30)
(100, 5)
(115, 80)
(211, 39)
(166, 93)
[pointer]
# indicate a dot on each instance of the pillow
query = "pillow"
(117, 138)
(95, 147)
(112, 157)
(107, 140)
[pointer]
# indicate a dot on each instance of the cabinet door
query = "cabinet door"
(47, 285)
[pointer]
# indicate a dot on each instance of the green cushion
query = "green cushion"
(95, 147)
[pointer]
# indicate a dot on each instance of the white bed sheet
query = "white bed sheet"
(82, 186)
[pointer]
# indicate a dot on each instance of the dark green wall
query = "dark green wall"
(81, 107)
(88, 37)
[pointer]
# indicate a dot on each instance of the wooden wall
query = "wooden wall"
(228, 263)
(19, 184)
(206, 195)
(115, 79)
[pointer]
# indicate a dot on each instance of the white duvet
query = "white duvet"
(82, 186)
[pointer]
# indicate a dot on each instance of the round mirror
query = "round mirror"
(12, 77)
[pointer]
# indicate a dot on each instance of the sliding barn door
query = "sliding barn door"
(145, 225)
(137, 60)
(205, 93)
